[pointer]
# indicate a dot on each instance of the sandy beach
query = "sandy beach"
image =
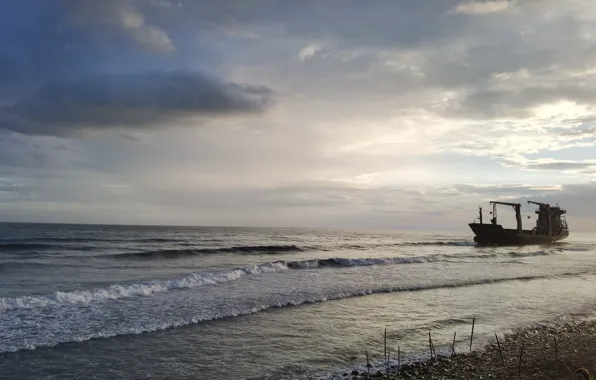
(572, 356)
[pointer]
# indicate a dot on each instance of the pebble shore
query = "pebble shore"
(573, 356)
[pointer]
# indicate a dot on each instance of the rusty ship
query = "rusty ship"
(551, 226)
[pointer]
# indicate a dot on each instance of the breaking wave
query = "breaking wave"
(361, 262)
(117, 291)
(151, 324)
(86, 297)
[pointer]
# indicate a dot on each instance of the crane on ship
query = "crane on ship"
(516, 207)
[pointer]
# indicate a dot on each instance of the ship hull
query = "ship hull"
(495, 234)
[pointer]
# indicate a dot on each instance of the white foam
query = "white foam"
(86, 297)
(148, 319)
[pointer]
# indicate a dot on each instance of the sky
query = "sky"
(392, 114)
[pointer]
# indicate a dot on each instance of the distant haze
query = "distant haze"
(377, 114)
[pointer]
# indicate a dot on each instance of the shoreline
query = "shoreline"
(560, 351)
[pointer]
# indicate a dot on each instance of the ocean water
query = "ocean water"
(115, 302)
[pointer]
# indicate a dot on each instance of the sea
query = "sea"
(147, 302)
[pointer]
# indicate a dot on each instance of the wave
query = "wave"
(455, 243)
(37, 248)
(360, 262)
(113, 292)
(154, 240)
(246, 250)
(21, 264)
(73, 239)
(534, 253)
(578, 248)
(117, 291)
(357, 262)
(441, 243)
(155, 325)
(273, 249)
(27, 246)
(53, 239)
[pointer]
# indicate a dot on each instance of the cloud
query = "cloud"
(507, 190)
(98, 101)
(483, 7)
(122, 14)
(582, 167)
(308, 51)
(561, 165)
(308, 204)
(165, 3)
(519, 101)
(582, 131)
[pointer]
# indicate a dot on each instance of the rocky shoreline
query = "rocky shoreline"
(563, 351)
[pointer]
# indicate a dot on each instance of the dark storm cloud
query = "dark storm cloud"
(65, 69)
(127, 100)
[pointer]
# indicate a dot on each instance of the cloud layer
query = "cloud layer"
(295, 113)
